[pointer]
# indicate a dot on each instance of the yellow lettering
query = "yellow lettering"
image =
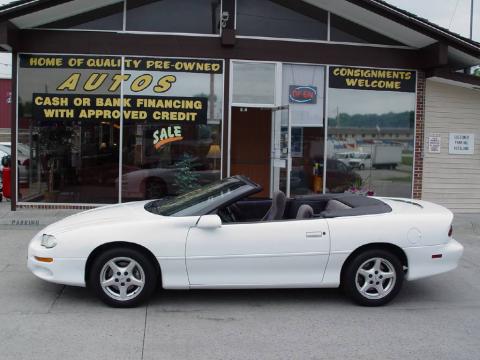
(141, 82)
(117, 80)
(164, 83)
(45, 62)
(351, 82)
(71, 83)
(94, 81)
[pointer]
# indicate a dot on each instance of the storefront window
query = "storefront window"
(253, 83)
(104, 18)
(179, 149)
(303, 91)
(73, 110)
(371, 119)
(270, 18)
(68, 152)
(169, 16)
(175, 16)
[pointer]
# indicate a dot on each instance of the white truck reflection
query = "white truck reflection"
(382, 156)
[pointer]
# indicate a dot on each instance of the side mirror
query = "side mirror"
(209, 222)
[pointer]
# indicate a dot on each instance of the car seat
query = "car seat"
(279, 201)
(304, 212)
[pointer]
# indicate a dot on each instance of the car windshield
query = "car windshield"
(201, 201)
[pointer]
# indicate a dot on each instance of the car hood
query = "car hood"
(105, 214)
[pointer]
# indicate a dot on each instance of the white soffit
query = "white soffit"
(375, 22)
(459, 57)
(59, 12)
(453, 83)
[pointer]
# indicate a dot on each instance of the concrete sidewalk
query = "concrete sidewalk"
(434, 318)
(31, 217)
(467, 222)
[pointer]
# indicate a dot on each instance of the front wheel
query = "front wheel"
(373, 278)
(122, 277)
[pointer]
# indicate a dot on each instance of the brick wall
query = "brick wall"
(419, 137)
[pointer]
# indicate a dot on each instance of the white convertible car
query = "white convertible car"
(218, 236)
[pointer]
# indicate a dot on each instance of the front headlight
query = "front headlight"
(48, 241)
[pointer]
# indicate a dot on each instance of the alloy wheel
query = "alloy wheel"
(122, 278)
(375, 278)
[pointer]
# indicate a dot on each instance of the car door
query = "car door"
(259, 254)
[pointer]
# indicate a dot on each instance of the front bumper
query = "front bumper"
(421, 264)
(67, 271)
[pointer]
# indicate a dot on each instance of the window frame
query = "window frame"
(15, 125)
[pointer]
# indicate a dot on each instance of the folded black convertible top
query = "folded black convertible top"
(359, 205)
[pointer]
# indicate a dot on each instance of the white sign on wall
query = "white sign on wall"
(434, 143)
(463, 144)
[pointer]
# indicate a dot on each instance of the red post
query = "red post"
(7, 184)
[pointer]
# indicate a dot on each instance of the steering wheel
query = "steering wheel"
(235, 211)
(226, 215)
(230, 214)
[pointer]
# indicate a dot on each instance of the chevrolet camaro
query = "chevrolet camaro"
(220, 236)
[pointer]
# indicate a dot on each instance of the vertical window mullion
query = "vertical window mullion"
(124, 17)
(120, 140)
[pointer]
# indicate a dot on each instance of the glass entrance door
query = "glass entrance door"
(281, 149)
(250, 145)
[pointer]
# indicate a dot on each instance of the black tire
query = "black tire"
(371, 296)
(361, 167)
(155, 189)
(142, 269)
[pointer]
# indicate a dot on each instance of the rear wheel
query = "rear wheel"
(373, 277)
(122, 277)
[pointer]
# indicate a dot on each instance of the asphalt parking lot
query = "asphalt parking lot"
(436, 318)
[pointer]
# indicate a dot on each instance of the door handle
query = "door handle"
(318, 234)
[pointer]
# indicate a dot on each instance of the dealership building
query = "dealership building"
(114, 101)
